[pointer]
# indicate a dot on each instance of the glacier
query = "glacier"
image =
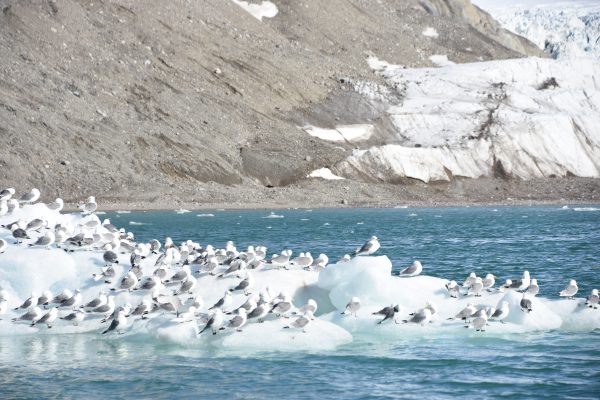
(524, 118)
(563, 29)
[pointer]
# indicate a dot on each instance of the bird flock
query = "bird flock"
(167, 275)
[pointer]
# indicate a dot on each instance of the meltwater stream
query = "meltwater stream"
(552, 243)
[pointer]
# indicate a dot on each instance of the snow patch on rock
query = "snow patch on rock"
(266, 9)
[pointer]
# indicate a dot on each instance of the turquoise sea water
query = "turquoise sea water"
(554, 244)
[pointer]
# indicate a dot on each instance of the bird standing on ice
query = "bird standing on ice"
(370, 247)
(570, 290)
(352, 307)
(592, 299)
(30, 197)
(413, 270)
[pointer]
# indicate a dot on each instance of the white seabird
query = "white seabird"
(413, 270)
(6, 194)
(533, 288)
(56, 205)
(30, 197)
(488, 282)
(475, 288)
(352, 307)
(466, 312)
(89, 206)
(421, 317)
(301, 322)
(238, 321)
(118, 324)
(223, 302)
(501, 313)
(453, 289)
(47, 318)
(128, 282)
(30, 302)
(44, 241)
(592, 300)
(76, 317)
(370, 247)
(33, 315)
(521, 284)
(3, 246)
(570, 290)
(388, 313)
(215, 322)
(526, 304)
(470, 280)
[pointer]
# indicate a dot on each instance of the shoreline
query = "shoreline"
(116, 207)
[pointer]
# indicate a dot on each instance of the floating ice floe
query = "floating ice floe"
(175, 290)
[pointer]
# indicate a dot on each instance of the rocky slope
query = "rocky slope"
(162, 102)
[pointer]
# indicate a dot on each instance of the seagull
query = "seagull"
(150, 283)
(144, 308)
(187, 286)
(30, 197)
(345, 258)
(260, 312)
(76, 316)
(19, 233)
(466, 312)
(64, 295)
(388, 313)
(188, 316)
(223, 302)
(592, 300)
(45, 298)
(215, 322)
(370, 247)
(3, 208)
(304, 260)
(501, 313)
(533, 288)
(488, 282)
(475, 288)
(3, 246)
(56, 205)
(154, 246)
(33, 315)
(301, 322)
(47, 318)
(31, 301)
(238, 321)
(127, 283)
(110, 257)
(6, 194)
(108, 273)
(421, 317)
(245, 284)
(319, 263)
(311, 305)
(470, 280)
(352, 307)
(89, 206)
(413, 270)
(118, 323)
(73, 301)
(36, 224)
(281, 260)
(44, 241)
(453, 289)
(521, 284)
(13, 205)
(180, 275)
(101, 300)
(479, 320)
(283, 306)
(526, 304)
(570, 290)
